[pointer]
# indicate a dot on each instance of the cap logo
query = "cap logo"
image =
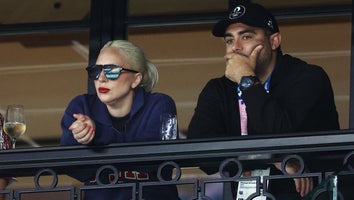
(270, 24)
(238, 12)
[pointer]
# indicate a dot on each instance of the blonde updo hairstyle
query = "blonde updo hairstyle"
(136, 59)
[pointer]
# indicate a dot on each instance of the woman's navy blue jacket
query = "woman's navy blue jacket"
(142, 125)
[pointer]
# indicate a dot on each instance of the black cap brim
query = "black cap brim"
(220, 27)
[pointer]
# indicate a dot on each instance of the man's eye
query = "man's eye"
(229, 41)
(246, 37)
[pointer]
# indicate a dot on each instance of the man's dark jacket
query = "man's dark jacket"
(300, 99)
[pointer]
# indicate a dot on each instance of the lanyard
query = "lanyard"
(242, 107)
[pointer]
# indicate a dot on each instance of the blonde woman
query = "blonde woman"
(123, 110)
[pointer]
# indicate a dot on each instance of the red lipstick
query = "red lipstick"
(103, 90)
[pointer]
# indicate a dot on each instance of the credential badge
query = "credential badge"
(238, 11)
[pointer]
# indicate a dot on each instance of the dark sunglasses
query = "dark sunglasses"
(111, 71)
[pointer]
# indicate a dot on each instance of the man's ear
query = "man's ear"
(275, 40)
(137, 81)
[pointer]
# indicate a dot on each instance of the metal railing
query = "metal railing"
(328, 153)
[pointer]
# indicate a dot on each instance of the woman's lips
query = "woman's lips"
(103, 90)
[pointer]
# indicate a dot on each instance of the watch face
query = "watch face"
(248, 81)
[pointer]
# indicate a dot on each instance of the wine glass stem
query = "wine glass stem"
(13, 143)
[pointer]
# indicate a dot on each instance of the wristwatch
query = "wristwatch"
(247, 82)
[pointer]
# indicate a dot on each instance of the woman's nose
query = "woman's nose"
(102, 77)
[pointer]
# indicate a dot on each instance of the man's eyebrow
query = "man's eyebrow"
(247, 31)
(241, 32)
(228, 35)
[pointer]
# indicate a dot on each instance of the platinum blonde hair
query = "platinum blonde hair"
(136, 59)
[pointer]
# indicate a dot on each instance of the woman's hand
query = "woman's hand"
(83, 129)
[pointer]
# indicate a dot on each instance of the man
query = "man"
(263, 91)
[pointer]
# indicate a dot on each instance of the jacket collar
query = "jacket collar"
(100, 111)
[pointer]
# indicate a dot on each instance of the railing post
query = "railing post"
(351, 94)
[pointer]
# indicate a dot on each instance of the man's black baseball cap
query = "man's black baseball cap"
(247, 13)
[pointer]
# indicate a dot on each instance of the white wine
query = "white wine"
(14, 129)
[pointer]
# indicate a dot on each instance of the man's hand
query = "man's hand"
(238, 65)
(83, 129)
(303, 185)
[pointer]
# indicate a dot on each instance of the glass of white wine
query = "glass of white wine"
(14, 122)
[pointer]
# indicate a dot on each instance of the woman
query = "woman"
(123, 110)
